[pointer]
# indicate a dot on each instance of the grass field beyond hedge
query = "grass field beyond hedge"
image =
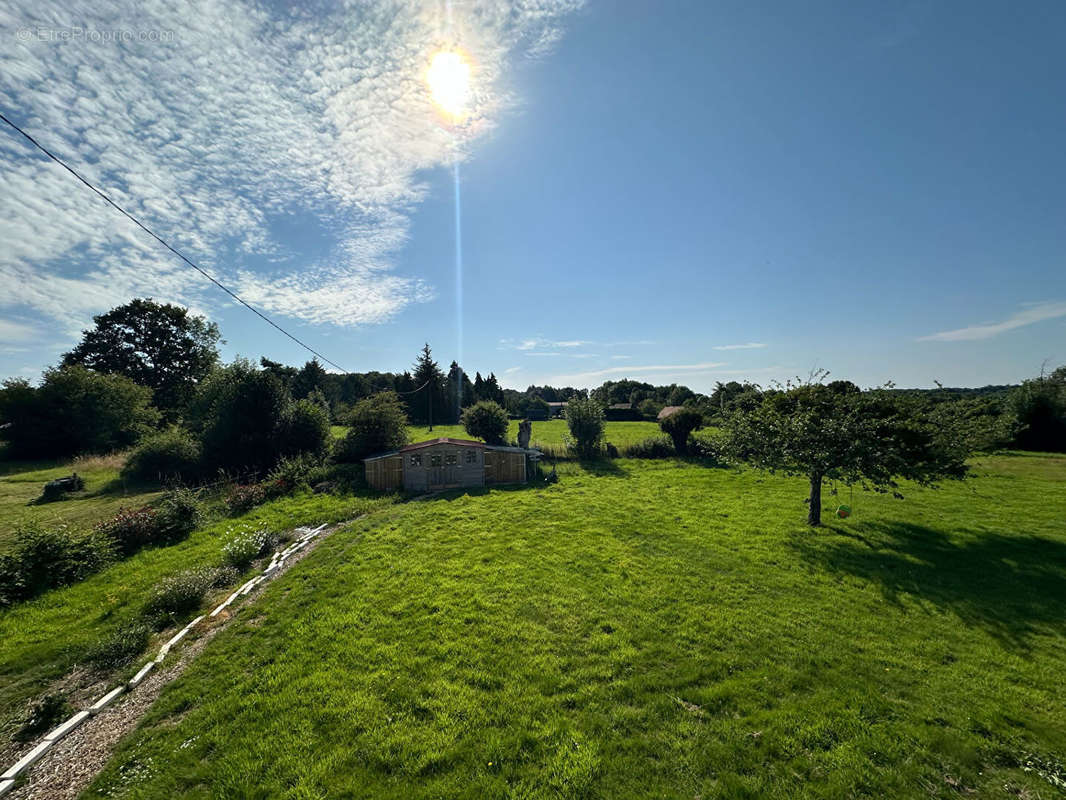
(642, 629)
(552, 433)
(21, 482)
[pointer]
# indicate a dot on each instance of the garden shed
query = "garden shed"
(447, 464)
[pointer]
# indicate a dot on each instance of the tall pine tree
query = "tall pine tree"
(428, 403)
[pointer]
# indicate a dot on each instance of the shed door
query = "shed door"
(435, 469)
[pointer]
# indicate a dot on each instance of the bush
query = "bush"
(224, 576)
(172, 455)
(680, 425)
(584, 418)
(131, 528)
(306, 429)
(48, 712)
(377, 424)
(74, 410)
(1039, 408)
(179, 595)
(121, 647)
(296, 472)
(653, 447)
(486, 420)
(245, 497)
(239, 415)
(246, 546)
(178, 514)
(43, 558)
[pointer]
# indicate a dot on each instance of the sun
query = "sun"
(448, 78)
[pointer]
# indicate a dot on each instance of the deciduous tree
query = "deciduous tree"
(158, 345)
(835, 431)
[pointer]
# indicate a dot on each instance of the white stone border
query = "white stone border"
(7, 780)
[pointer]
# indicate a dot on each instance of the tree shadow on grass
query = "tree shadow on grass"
(1012, 586)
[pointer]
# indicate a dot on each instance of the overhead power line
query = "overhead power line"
(165, 244)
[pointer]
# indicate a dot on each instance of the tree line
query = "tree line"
(146, 366)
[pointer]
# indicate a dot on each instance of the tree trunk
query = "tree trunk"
(814, 511)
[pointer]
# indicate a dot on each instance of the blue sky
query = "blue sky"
(682, 192)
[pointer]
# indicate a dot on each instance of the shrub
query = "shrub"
(44, 715)
(650, 408)
(680, 425)
(131, 528)
(239, 416)
(74, 410)
(224, 576)
(245, 497)
(706, 449)
(652, 447)
(296, 472)
(584, 418)
(179, 595)
(178, 514)
(306, 429)
(42, 558)
(246, 546)
(172, 455)
(1039, 408)
(486, 420)
(121, 647)
(377, 424)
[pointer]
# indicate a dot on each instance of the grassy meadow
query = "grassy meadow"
(105, 493)
(551, 435)
(642, 629)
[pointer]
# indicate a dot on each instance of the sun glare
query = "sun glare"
(448, 78)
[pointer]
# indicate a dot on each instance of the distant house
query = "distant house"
(667, 411)
(556, 409)
(447, 464)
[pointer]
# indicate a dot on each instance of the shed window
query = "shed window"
(416, 460)
(451, 458)
(471, 456)
(434, 460)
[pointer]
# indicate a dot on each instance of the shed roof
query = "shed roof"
(449, 440)
(443, 440)
(668, 410)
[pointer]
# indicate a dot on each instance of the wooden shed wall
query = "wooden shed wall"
(502, 466)
(433, 470)
(385, 474)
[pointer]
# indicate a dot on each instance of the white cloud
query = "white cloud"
(512, 370)
(1028, 316)
(11, 332)
(252, 117)
(748, 346)
(539, 343)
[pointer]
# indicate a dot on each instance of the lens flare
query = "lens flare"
(448, 78)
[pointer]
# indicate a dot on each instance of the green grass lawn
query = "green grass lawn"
(645, 629)
(42, 639)
(546, 434)
(104, 494)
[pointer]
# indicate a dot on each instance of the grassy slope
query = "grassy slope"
(653, 630)
(21, 482)
(43, 638)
